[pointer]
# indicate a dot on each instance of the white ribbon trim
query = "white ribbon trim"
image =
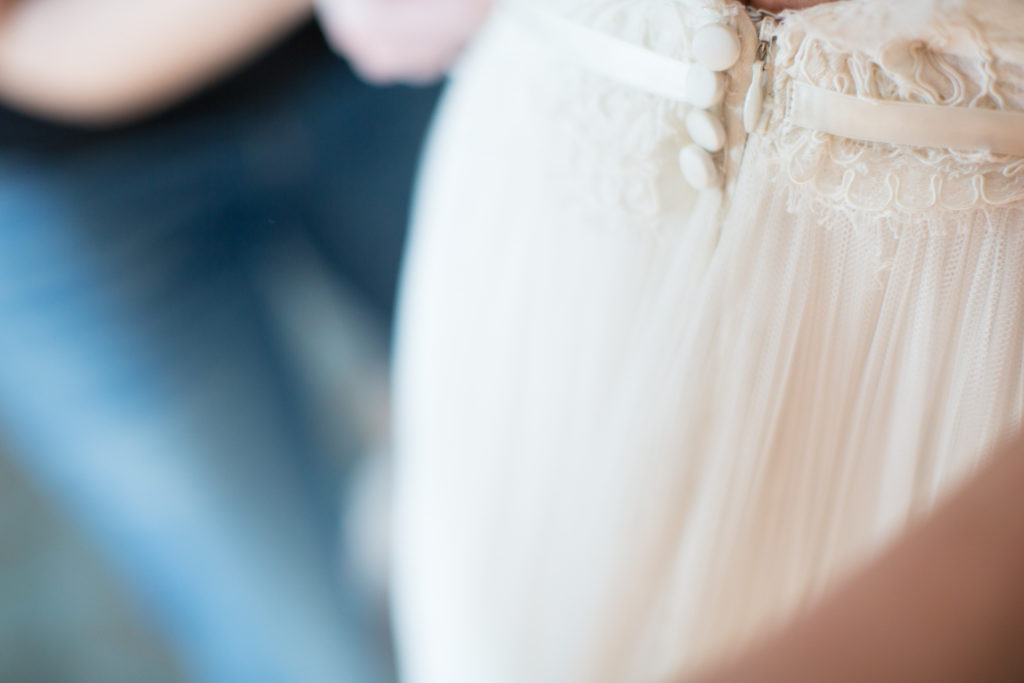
(608, 56)
(906, 123)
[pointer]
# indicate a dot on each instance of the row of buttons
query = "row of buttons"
(716, 48)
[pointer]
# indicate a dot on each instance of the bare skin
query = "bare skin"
(98, 62)
(944, 604)
(417, 40)
(401, 40)
(779, 5)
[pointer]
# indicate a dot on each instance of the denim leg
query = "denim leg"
(142, 380)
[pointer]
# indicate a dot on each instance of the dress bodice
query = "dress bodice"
(952, 53)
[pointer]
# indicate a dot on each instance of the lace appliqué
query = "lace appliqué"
(613, 149)
(952, 63)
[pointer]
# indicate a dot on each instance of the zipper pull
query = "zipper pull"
(753, 103)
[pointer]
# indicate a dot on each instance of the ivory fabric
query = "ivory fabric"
(639, 425)
(905, 123)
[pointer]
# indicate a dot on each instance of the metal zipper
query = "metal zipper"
(765, 23)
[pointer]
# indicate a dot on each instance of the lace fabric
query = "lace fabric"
(942, 52)
(958, 57)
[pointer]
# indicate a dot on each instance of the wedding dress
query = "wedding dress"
(640, 420)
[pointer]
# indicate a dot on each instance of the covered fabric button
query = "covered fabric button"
(704, 87)
(698, 167)
(705, 129)
(716, 46)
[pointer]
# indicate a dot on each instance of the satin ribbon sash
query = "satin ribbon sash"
(808, 106)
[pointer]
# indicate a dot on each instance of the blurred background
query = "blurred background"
(202, 213)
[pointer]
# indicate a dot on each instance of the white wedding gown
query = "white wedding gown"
(640, 424)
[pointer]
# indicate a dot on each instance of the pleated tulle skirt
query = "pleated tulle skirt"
(639, 424)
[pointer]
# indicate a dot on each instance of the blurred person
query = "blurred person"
(159, 205)
(708, 306)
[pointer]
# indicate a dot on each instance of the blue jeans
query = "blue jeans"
(143, 378)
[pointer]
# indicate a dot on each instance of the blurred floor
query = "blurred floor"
(63, 617)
